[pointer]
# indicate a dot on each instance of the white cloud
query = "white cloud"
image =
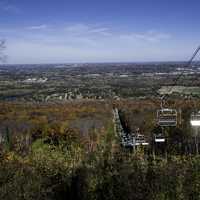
(38, 27)
(149, 36)
(77, 28)
(85, 43)
(82, 29)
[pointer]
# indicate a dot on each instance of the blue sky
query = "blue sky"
(57, 31)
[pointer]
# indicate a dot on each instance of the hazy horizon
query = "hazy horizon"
(81, 63)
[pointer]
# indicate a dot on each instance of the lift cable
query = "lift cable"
(175, 81)
(189, 63)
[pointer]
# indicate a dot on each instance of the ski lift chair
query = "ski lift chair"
(195, 119)
(140, 140)
(167, 117)
(159, 138)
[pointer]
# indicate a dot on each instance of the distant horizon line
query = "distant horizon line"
(120, 62)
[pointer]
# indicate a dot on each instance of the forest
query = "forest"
(70, 151)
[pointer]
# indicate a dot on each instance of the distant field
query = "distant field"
(180, 89)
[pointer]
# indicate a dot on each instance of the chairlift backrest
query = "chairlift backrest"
(195, 116)
(167, 117)
(140, 140)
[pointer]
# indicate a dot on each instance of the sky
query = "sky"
(64, 31)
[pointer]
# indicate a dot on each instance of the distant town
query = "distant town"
(63, 82)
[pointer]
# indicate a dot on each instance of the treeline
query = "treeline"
(65, 171)
(59, 165)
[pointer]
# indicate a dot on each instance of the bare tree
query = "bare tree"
(2, 48)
